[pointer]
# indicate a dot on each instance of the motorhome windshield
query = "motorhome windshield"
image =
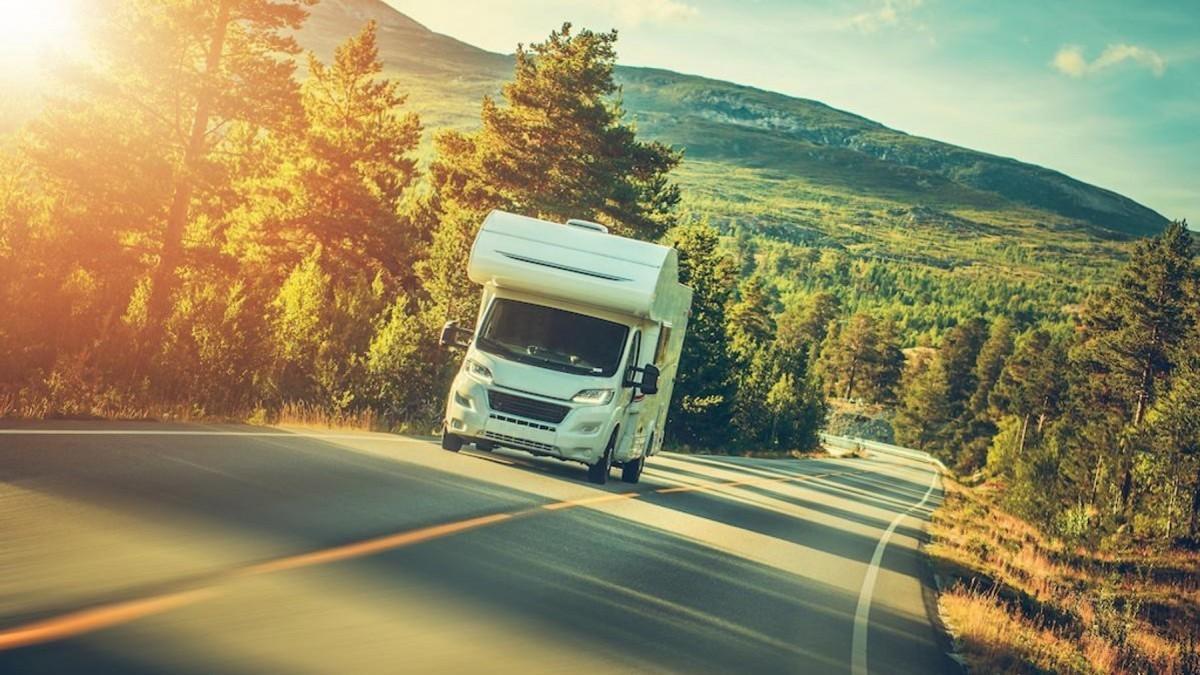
(552, 338)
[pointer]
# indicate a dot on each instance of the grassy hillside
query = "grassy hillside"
(786, 178)
(847, 155)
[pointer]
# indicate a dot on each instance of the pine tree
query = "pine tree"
(805, 319)
(1173, 433)
(750, 321)
(980, 426)
(851, 355)
(557, 148)
(990, 364)
(354, 162)
(1032, 386)
(703, 398)
(1132, 335)
(889, 365)
(863, 357)
(139, 154)
(924, 404)
(203, 68)
(959, 354)
(750, 326)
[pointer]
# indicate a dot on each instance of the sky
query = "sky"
(1107, 91)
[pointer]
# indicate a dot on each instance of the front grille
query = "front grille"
(520, 443)
(527, 407)
(524, 423)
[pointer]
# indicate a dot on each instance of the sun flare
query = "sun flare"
(29, 28)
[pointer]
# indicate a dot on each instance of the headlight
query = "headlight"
(594, 396)
(478, 370)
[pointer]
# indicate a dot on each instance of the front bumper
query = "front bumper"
(582, 435)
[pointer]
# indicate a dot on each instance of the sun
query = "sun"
(31, 28)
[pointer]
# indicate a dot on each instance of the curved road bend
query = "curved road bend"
(133, 548)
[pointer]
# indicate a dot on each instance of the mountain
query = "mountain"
(788, 145)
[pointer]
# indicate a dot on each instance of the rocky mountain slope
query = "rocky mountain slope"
(750, 128)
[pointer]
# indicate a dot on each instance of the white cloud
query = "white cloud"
(1118, 53)
(636, 12)
(1070, 60)
(887, 14)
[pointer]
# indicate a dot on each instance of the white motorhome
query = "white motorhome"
(575, 348)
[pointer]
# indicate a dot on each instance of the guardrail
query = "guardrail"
(884, 448)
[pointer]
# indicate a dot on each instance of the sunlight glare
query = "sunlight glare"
(30, 28)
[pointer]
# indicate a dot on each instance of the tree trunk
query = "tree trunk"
(1143, 399)
(172, 245)
(1024, 434)
(1042, 416)
(850, 379)
(1171, 506)
(1127, 484)
(1139, 413)
(1194, 530)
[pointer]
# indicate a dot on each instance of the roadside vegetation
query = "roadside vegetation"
(1078, 549)
(223, 235)
(1092, 425)
(1020, 601)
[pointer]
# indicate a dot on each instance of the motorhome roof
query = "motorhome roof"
(572, 263)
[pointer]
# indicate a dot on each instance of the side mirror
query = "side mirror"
(454, 335)
(649, 385)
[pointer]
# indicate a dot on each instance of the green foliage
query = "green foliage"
(804, 321)
(397, 365)
(862, 360)
(1098, 425)
(702, 403)
(559, 148)
(299, 268)
(925, 408)
(266, 242)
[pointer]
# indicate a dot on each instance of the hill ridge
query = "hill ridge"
(746, 126)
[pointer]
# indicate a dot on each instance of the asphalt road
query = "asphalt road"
(130, 548)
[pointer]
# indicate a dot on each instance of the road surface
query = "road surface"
(150, 548)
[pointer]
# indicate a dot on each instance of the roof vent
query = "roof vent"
(587, 225)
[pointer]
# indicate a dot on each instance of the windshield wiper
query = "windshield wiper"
(493, 345)
(524, 356)
(556, 364)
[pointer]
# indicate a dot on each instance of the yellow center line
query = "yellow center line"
(89, 620)
(591, 501)
(373, 546)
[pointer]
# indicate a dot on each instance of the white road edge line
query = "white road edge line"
(858, 643)
(153, 432)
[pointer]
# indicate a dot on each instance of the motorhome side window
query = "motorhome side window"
(664, 339)
(631, 364)
(552, 338)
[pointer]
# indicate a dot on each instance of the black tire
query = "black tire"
(451, 442)
(631, 472)
(598, 472)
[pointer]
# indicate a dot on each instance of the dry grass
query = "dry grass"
(314, 417)
(112, 407)
(102, 406)
(1018, 601)
(998, 640)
